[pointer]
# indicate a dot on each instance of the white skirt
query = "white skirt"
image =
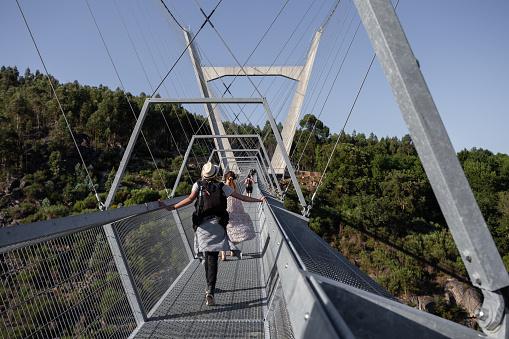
(240, 226)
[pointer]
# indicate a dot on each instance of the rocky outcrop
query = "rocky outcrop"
(465, 296)
(423, 302)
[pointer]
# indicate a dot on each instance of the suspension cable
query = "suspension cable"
(283, 47)
(330, 90)
(189, 44)
(295, 48)
(172, 16)
(319, 79)
(343, 129)
(260, 41)
(346, 122)
(322, 28)
(91, 182)
(125, 93)
(161, 110)
(228, 107)
(167, 91)
(248, 58)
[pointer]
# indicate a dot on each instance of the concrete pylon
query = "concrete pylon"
(301, 74)
(214, 116)
(292, 119)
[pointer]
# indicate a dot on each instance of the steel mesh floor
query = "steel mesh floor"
(239, 298)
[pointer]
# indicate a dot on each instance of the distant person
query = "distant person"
(240, 226)
(249, 185)
(210, 220)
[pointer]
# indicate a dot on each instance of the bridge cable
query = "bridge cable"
(330, 90)
(207, 19)
(343, 129)
(91, 182)
(321, 27)
(227, 106)
(161, 109)
(172, 16)
(125, 93)
(260, 40)
(346, 122)
(319, 79)
(367, 72)
(175, 87)
(227, 87)
(247, 59)
(283, 47)
(293, 51)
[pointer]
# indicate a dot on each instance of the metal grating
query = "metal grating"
(239, 298)
(202, 329)
(64, 287)
(320, 258)
(279, 321)
(155, 253)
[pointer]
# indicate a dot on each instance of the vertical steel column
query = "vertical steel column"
(467, 225)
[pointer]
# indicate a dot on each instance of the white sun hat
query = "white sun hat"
(209, 170)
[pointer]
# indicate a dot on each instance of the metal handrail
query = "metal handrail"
(18, 236)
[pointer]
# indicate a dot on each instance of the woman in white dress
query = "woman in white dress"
(240, 226)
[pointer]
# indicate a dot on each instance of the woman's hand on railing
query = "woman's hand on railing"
(162, 204)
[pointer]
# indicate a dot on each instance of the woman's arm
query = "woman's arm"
(186, 201)
(246, 198)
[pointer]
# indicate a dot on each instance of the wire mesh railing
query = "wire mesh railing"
(58, 278)
(64, 287)
(154, 251)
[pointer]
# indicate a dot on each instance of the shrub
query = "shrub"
(142, 195)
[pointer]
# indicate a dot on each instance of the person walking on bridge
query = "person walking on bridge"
(240, 226)
(249, 185)
(210, 220)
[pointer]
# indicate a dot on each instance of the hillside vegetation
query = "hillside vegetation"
(375, 206)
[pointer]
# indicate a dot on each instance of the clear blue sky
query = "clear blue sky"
(462, 46)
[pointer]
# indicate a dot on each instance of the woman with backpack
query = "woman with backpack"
(240, 226)
(210, 220)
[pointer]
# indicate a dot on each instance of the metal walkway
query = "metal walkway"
(240, 298)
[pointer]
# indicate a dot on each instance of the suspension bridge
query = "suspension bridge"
(290, 283)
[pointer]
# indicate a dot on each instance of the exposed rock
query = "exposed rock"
(23, 183)
(11, 185)
(463, 295)
(422, 302)
(425, 303)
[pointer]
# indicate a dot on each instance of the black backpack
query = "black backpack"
(211, 202)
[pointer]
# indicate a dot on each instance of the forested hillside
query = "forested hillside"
(41, 173)
(375, 206)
